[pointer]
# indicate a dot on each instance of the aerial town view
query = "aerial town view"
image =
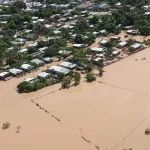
(74, 75)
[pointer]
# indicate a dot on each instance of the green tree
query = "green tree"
(66, 82)
(90, 77)
(94, 20)
(12, 24)
(20, 4)
(78, 57)
(77, 78)
(81, 25)
(22, 87)
(101, 71)
(78, 39)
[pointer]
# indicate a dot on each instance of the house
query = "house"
(84, 6)
(33, 44)
(4, 75)
(132, 32)
(64, 52)
(47, 59)
(43, 75)
(115, 53)
(103, 32)
(136, 46)
(68, 65)
(118, 4)
(26, 67)
(42, 49)
(97, 49)
(115, 38)
(98, 59)
(57, 32)
(146, 7)
(4, 17)
(122, 44)
(41, 20)
(58, 69)
(15, 71)
(21, 40)
(96, 33)
(29, 79)
(103, 42)
(147, 13)
(101, 7)
(48, 26)
(28, 31)
(25, 50)
(78, 45)
(35, 18)
(38, 62)
(67, 26)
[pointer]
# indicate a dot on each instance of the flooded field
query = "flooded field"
(111, 113)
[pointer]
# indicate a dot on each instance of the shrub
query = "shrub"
(101, 71)
(147, 131)
(66, 82)
(90, 77)
(6, 125)
(77, 78)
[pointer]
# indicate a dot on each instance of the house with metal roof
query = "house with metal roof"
(59, 69)
(68, 65)
(38, 62)
(43, 75)
(15, 71)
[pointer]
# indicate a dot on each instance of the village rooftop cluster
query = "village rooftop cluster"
(71, 37)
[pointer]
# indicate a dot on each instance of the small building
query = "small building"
(58, 69)
(42, 49)
(103, 42)
(102, 7)
(68, 65)
(57, 32)
(103, 32)
(33, 44)
(43, 75)
(97, 49)
(48, 26)
(67, 26)
(26, 67)
(15, 71)
(84, 6)
(38, 62)
(78, 45)
(146, 7)
(64, 52)
(98, 59)
(35, 18)
(47, 59)
(132, 32)
(4, 75)
(122, 44)
(115, 53)
(116, 38)
(29, 79)
(118, 4)
(4, 17)
(136, 46)
(96, 33)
